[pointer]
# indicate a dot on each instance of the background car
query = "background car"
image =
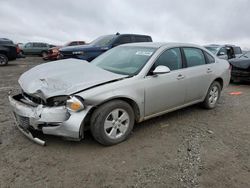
(8, 51)
(53, 53)
(35, 48)
(240, 68)
(224, 51)
(127, 84)
(100, 45)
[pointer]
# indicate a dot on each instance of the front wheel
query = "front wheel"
(112, 122)
(44, 54)
(212, 96)
(3, 60)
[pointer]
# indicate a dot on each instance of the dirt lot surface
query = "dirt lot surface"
(192, 147)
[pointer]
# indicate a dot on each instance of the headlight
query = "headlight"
(74, 104)
(78, 53)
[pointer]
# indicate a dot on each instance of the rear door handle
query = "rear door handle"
(209, 70)
(180, 77)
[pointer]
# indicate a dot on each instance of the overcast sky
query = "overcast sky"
(194, 21)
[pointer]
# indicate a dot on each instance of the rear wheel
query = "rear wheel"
(3, 60)
(212, 96)
(112, 122)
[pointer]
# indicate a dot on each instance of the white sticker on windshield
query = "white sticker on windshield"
(144, 53)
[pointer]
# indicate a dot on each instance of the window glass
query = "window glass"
(170, 58)
(81, 42)
(194, 57)
(103, 41)
(237, 50)
(223, 50)
(28, 45)
(123, 40)
(210, 59)
(124, 59)
(73, 44)
(36, 45)
(140, 39)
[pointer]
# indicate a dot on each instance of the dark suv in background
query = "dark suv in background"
(8, 51)
(225, 51)
(102, 44)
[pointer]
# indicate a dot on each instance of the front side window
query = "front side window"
(103, 41)
(223, 51)
(28, 45)
(194, 57)
(124, 60)
(170, 58)
(73, 44)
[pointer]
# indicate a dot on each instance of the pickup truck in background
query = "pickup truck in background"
(8, 51)
(102, 44)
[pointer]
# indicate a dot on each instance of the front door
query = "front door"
(165, 91)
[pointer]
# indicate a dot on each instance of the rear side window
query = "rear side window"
(194, 57)
(170, 58)
(210, 59)
(141, 39)
(81, 42)
(237, 50)
(124, 40)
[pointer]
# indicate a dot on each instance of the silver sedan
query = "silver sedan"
(128, 84)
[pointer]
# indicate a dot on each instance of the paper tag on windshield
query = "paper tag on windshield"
(144, 53)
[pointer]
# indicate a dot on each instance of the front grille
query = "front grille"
(23, 122)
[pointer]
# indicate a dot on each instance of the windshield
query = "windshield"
(214, 50)
(126, 60)
(103, 41)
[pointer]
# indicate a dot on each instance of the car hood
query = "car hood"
(85, 47)
(240, 63)
(64, 77)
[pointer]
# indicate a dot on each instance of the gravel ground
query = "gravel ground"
(191, 147)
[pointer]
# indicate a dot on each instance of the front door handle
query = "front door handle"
(209, 70)
(180, 77)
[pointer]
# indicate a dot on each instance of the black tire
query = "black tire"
(44, 54)
(102, 113)
(3, 60)
(207, 102)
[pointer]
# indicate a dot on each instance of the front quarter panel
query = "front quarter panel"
(130, 88)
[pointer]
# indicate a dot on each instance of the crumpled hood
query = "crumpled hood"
(64, 77)
(240, 63)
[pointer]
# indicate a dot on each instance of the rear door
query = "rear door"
(198, 74)
(166, 91)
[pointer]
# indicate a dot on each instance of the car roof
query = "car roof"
(161, 44)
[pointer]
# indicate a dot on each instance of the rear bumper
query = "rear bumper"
(240, 75)
(50, 120)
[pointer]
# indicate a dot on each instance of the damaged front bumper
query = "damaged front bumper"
(56, 121)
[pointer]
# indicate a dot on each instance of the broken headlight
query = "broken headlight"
(57, 101)
(75, 104)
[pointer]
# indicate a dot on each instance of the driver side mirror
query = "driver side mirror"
(161, 70)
